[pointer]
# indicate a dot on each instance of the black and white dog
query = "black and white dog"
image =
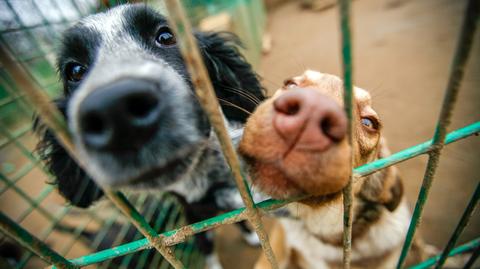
(133, 114)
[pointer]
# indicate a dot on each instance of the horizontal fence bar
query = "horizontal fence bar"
(9, 100)
(33, 27)
(123, 231)
(51, 227)
(460, 226)
(207, 99)
(425, 147)
(33, 244)
(17, 135)
(179, 235)
(44, 234)
(459, 62)
(56, 122)
(473, 258)
(122, 203)
(19, 174)
(467, 247)
(171, 237)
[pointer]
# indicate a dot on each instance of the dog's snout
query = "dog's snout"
(309, 120)
(121, 115)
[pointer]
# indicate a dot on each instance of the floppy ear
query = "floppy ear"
(72, 182)
(235, 82)
(385, 186)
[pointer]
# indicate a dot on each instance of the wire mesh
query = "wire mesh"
(206, 96)
(35, 53)
(464, 45)
(171, 237)
(32, 37)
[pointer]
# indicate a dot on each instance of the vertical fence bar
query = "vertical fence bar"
(209, 102)
(34, 203)
(460, 226)
(46, 109)
(462, 52)
(473, 245)
(142, 225)
(172, 237)
(33, 244)
(473, 258)
(55, 121)
(348, 97)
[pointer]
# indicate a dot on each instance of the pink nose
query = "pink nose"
(308, 120)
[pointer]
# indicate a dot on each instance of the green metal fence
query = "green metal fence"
(27, 79)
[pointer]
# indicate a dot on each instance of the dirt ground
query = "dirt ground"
(402, 52)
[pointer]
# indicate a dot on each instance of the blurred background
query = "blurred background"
(402, 54)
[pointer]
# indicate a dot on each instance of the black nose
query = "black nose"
(120, 116)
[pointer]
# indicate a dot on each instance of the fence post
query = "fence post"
(209, 102)
(462, 52)
(55, 121)
(460, 226)
(33, 244)
(348, 97)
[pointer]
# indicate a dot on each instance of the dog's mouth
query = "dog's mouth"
(301, 173)
(270, 178)
(155, 172)
(163, 173)
(283, 186)
(169, 171)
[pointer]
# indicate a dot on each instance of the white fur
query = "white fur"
(251, 238)
(383, 236)
(108, 23)
(147, 68)
(213, 262)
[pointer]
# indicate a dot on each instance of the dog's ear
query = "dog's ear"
(235, 82)
(72, 182)
(385, 186)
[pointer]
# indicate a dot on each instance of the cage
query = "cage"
(28, 46)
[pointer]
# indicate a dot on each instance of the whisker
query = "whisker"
(234, 105)
(248, 96)
(243, 93)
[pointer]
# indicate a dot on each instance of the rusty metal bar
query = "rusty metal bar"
(462, 53)
(32, 243)
(209, 102)
(348, 98)
(473, 258)
(460, 226)
(473, 245)
(179, 235)
(142, 225)
(55, 121)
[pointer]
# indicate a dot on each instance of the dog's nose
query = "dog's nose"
(309, 120)
(120, 116)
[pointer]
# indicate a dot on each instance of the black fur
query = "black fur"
(236, 85)
(72, 182)
(227, 68)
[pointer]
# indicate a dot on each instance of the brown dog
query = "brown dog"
(295, 144)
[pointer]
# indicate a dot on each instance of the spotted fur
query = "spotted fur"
(120, 43)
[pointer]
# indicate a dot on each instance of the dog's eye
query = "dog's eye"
(370, 123)
(165, 37)
(75, 72)
(289, 83)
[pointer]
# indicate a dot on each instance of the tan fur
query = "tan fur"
(314, 240)
(279, 247)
